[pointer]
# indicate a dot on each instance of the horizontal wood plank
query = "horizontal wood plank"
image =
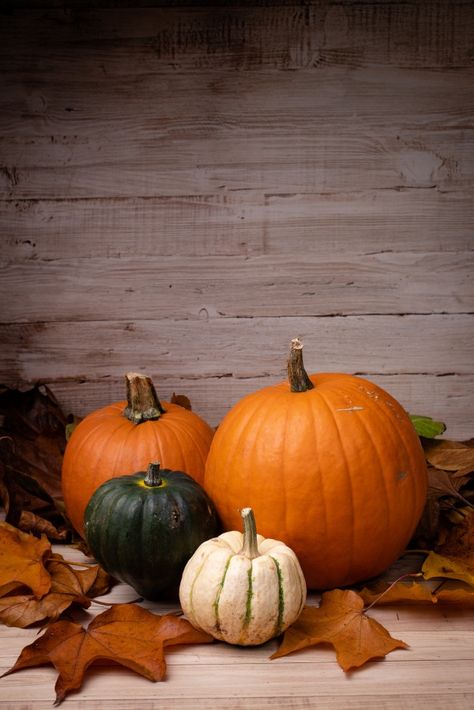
(292, 129)
(228, 676)
(447, 398)
(312, 225)
(220, 347)
(247, 35)
(195, 288)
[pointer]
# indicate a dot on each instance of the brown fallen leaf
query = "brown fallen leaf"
(22, 558)
(450, 467)
(102, 584)
(182, 400)
(126, 634)
(441, 483)
(340, 621)
(68, 585)
(32, 523)
(449, 455)
(32, 442)
(459, 541)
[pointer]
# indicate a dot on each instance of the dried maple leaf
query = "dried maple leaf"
(340, 621)
(448, 567)
(126, 634)
(420, 592)
(441, 484)
(68, 586)
(399, 592)
(453, 592)
(22, 558)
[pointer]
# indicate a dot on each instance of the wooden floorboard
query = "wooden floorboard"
(435, 671)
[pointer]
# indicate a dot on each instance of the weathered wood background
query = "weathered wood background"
(184, 188)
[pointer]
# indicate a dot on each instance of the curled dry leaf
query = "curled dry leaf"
(340, 621)
(436, 566)
(404, 592)
(449, 455)
(419, 592)
(453, 592)
(22, 561)
(32, 442)
(126, 634)
(68, 585)
(450, 489)
(29, 522)
(182, 400)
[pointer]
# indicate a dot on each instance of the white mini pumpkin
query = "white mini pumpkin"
(242, 588)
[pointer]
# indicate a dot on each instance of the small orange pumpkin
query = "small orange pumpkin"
(332, 466)
(124, 437)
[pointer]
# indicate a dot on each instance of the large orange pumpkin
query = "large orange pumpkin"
(332, 466)
(124, 437)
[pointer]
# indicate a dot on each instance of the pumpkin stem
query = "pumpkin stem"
(297, 375)
(249, 545)
(142, 401)
(153, 475)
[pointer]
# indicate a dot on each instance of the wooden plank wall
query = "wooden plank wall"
(185, 187)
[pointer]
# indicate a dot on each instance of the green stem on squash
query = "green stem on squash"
(297, 375)
(249, 544)
(142, 401)
(153, 475)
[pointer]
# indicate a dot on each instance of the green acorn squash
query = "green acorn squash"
(143, 528)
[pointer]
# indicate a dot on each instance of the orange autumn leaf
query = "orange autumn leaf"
(419, 592)
(22, 558)
(126, 634)
(68, 586)
(399, 592)
(454, 592)
(340, 621)
(449, 567)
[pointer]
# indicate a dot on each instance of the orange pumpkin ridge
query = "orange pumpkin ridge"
(330, 463)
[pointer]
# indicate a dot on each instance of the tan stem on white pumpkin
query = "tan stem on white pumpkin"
(297, 376)
(249, 543)
(142, 401)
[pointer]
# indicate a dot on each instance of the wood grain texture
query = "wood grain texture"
(224, 346)
(294, 129)
(446, 397)
(318, 225)
(185, 187)
(198, 288)
(251, 35)
(434, 672)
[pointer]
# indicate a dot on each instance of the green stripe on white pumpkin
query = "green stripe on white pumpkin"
(281, 598)
(242, 588)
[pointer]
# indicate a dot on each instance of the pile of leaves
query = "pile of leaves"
(38, 586)
(33, 433)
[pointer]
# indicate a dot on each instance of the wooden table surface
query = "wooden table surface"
(436, 671)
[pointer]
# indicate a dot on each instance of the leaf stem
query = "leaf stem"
(408, 574)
